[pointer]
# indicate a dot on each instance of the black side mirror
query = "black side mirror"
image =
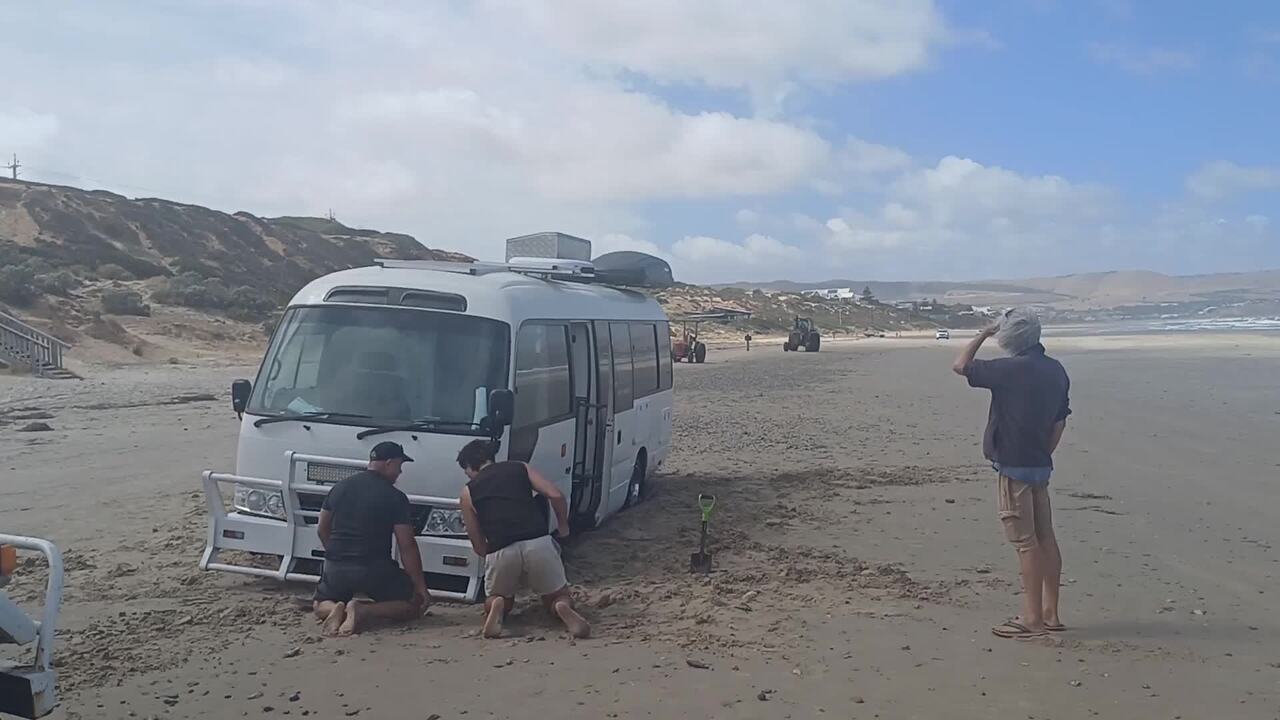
(240, 390)
(502, 406)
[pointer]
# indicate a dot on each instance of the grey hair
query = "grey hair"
(1019, 330)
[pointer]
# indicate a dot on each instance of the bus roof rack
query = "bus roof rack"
(626, 269)
(546, 267)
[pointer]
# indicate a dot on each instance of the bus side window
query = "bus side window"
(621, 346)
(644, 345)
(544, 388)
(664, 356)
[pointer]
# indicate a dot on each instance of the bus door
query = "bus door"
(590, 415)
(622, 439)
(593, 451)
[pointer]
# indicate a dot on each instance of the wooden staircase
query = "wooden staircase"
(26, 347)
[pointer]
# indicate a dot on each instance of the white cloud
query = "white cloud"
(712, 258)
(962, 190)
(746, 217)
(866, 158)
(897, 215)
(961, 207)
(1221, 179)
(23, 129)
(1144, 60)
(861, 166)
(741, 43)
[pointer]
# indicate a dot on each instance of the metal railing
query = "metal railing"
(292, 534)
(52, 594)
(21, 343)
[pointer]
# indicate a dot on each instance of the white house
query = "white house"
(832, 293)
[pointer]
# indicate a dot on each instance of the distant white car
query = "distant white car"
(942, 335)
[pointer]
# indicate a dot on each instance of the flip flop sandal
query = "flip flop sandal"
(1055, 628)
(1015, 630)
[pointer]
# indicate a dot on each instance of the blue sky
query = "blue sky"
(876, 139)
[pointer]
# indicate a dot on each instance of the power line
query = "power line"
(13, 166)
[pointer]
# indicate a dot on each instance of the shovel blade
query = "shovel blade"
(700, 562)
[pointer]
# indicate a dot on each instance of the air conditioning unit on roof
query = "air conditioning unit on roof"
(549, 245)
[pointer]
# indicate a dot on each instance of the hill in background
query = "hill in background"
(1086, 291)
(90, 265)
(86, 231)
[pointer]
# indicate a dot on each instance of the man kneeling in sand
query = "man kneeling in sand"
(503, 507)
(357, 521)
(1029, 409)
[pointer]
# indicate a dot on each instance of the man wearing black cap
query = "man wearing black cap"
(357, 521)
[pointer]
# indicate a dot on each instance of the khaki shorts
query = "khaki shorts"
(533, 563)
(1025, 512)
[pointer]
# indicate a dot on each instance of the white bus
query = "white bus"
(572, 375)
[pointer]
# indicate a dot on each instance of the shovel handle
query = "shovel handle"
(706, 501)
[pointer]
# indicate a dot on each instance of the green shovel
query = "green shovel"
(700, 562)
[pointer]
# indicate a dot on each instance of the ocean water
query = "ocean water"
(1167, 325)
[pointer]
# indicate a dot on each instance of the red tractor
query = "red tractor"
(688, 348)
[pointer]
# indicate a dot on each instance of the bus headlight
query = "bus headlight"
(444, 521)
(259, 502)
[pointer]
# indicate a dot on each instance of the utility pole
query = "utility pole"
(13, 166)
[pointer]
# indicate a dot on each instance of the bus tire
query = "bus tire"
(635, 489)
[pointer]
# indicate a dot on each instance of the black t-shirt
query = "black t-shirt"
(365, 508)
(508, 509)
(1029, 395)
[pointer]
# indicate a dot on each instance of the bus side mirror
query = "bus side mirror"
(502, 405)
(240, 390)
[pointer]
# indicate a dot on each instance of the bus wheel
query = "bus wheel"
(635, 490)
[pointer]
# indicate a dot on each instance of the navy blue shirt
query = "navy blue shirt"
(366, 507)
(1029, 395)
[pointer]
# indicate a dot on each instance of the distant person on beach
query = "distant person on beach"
(359, 517)
(1029, 409)
(504, 507)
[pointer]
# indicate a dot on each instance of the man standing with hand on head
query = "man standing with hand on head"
(1029, 409)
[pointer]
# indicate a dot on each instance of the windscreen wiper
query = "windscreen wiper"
(307, 416)
(426, 425)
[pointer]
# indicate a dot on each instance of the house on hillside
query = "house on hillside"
(831, 293)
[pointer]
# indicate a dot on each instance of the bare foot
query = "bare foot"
(334, 621)
(493, 620)
(351, 625)
(578, 626)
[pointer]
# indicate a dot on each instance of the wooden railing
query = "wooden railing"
(24, 345)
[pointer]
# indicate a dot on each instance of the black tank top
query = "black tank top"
(508, 509)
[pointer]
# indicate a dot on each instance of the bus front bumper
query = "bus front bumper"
(289, 549)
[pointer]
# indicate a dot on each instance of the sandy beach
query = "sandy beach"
(860, 564)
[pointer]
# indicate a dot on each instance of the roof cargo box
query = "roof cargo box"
(549, 245)
(637, 269)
